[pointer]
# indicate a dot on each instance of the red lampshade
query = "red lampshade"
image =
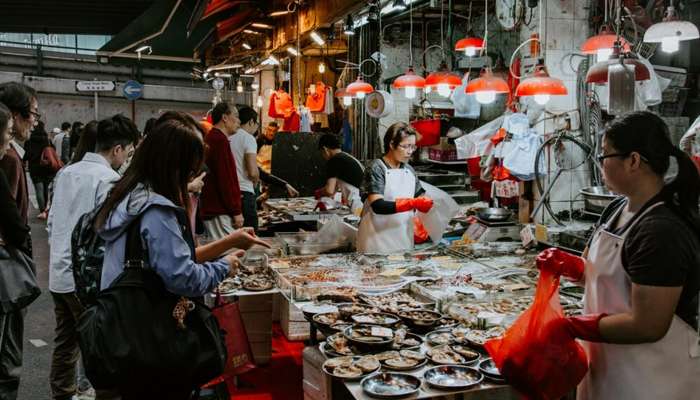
(604, 40)
(598, 73)
(474, 42)
(487, 82)
(341, 93)
(541, 84)
(443, 77)
(359, 87)
(409, 79)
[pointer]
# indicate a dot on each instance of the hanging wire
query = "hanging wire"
(486, 27)
(410, 35)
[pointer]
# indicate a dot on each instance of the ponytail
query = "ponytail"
(685, 188)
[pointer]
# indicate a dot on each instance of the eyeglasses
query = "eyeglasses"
(601, 157)
(36, 115)
(408, 147)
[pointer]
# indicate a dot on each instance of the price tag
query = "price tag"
(382, 332)
(475, 231)
(527, 236)
(506, 188)
(541, 233)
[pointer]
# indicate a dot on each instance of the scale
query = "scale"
(484, 231)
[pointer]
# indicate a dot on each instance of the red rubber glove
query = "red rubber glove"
(318, 193)
(561, 263)
(422, 204)
(586, 327)
(321, 206)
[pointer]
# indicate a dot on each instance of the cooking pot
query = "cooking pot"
(494, 214)
(596, 198)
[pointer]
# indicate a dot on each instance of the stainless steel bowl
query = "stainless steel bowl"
(596, 198)
(494, 214)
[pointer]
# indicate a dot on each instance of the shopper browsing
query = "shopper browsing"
(641, 271)
(393, 194)
(221, 195)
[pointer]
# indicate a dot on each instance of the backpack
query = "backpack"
(87, 255)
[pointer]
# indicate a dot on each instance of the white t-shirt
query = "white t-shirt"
(243, 143)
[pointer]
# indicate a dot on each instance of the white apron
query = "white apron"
(387, 234)
(351, 196)
(667, 369)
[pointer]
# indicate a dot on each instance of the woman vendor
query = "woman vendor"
(393, 194)
(641, 271)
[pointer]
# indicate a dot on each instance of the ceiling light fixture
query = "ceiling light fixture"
(349, 27)
(399, 5)
(486, 87)
(671, 31)
(142, 49)
(279, 13)
(541, 86)
(317, 38)
(359, 89)
(291, 50)
(246, 46)
(321, 68)
(410, 82)
(602, 44)
(239, 87)
(252, 32)
(261, 25)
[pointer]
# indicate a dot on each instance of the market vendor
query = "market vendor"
(393, 194)
(343, 172)
(641, 271)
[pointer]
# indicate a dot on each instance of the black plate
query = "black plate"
(453, 377)
(389, 385)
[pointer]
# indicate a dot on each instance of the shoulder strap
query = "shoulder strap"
(133, 249)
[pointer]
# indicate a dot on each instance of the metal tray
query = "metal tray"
(389, 385)
(453, 377)
(357, 378)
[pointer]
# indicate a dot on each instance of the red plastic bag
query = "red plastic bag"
(420, 234)
(538, 358)
(240, 355)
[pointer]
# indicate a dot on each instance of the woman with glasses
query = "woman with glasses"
(393, 192)
(641, 271)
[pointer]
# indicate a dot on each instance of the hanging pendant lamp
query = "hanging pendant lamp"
(671, 32)
(359, 89)
(602, 44)
(541, 86)
(486, 87)
(598, 73)
(443, 80)
(410, 83)
(346, 97)
(471, 46)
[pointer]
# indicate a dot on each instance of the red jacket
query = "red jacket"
(13, 166)
(221, 194)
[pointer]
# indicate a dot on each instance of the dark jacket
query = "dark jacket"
(13, 167)
(34, 148)
(13, 230)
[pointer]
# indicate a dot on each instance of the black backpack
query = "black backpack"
(87, 254)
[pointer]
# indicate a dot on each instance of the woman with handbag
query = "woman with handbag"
(144, 222)
(17, 281)
(42, 165)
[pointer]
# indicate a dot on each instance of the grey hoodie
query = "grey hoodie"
(168, 251)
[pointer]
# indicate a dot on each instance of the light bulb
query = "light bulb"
(239, 88)
(542, 99)
(255, 86)
(444, 89)
(347, 100)
(670, 44)
(321, 68)
(486, 97)
(428, 89)
(470, 51)
(410, 92)
(360, 95)
(603, 54)
(260, 102)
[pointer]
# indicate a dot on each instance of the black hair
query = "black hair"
(5, 116)
(247, 114)
(274, 124)
(87, 142)
(329, 141)
(165, 162)
(218, 112)
(75, 132)
(17, 97)
(114, 131)
(647, 134)
(150, 123)
(396, 133)
(65, 126)
(181, 117)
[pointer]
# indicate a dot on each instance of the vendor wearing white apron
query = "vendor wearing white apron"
(343, 172)
(641, 271)
(393, 191)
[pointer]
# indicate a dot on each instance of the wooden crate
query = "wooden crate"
(256, 312)
(294, 325)
(316, 384)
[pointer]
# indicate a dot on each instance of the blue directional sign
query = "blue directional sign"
(133, 90)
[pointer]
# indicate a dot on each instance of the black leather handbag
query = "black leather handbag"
(18, 286)
(130, 339)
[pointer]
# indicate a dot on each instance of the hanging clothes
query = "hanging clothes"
(305, 119)
(316, 99)
(328, 109)
(292, 123)
(281, 105)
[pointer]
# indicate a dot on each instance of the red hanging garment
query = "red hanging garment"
(292, 123)
(316, 102)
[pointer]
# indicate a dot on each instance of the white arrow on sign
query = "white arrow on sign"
(95, 86)
(132, 90)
